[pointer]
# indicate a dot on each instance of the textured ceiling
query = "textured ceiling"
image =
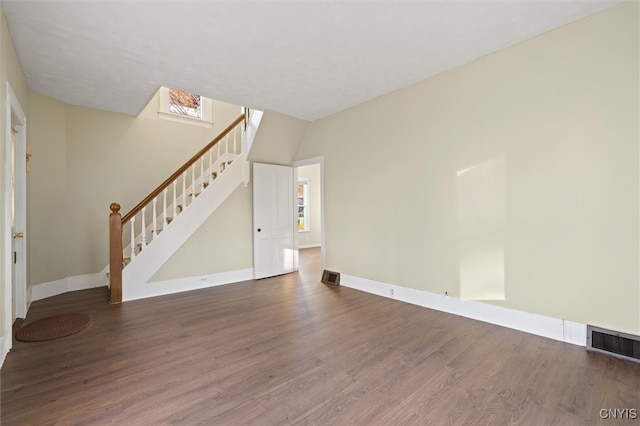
(306, 59)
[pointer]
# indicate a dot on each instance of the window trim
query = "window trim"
(164, 113)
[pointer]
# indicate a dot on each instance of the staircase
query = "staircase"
(143, 239)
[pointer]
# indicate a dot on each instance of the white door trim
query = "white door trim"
(15, 113)
(308, 162)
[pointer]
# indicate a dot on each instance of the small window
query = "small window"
(185, 103)
(303, 205)
(183, 106)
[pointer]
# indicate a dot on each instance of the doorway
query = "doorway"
(309, 212)
(288, 215)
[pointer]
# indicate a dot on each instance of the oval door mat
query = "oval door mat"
(53, 327)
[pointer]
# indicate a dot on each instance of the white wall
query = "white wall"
(313, 237)
(550, 124)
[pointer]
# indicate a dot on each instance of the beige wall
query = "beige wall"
(225, 241)
(89, 158)
(277, 139)
(552, 121)
(222, 244)
(313, 236)
(552, 125)
(47, 191)
(107, 157)
(14, 73)
(10, 71)
(4, 326)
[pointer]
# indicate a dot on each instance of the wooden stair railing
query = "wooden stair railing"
(199, 181)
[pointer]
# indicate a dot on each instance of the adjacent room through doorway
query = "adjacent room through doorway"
(309, 220)
(309, 206)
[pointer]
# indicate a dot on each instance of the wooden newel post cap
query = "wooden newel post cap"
(115, 207)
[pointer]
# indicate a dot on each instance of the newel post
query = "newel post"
(115, 253)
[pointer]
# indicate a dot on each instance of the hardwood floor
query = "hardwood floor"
(288, 350)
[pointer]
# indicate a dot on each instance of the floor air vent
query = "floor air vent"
(329, 277)
(621, 345)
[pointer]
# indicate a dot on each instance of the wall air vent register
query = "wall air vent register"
(330, 277)
(620, 345)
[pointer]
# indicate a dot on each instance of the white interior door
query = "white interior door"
(15, 208)
(14, 233)
(273, 226)
(18, 221)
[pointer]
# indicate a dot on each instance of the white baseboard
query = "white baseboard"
(161, 288)
(553, 328)
(5, 345)
(77, 282)
(29, 297)
(306, 246)
(574, 332)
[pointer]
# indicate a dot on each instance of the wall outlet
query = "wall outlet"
(392, 292)
(204, 279)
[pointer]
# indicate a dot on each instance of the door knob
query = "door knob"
(18, 235)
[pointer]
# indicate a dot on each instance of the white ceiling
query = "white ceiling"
(306, 59)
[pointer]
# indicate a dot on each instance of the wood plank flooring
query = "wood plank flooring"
(290, 350)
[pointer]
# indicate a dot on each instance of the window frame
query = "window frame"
(164, 113)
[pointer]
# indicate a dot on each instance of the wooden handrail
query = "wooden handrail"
(181, 170)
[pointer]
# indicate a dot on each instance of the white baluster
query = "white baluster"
(226, 148)
(245, 163)
(184, 190)
(144, 229)
(202, 171)
(219, 163)
(133, 238)
(210, 165)
(175, 200)
(243, 137)
(234, 142)
(154, 221)
(193, 182)
(164, 207)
